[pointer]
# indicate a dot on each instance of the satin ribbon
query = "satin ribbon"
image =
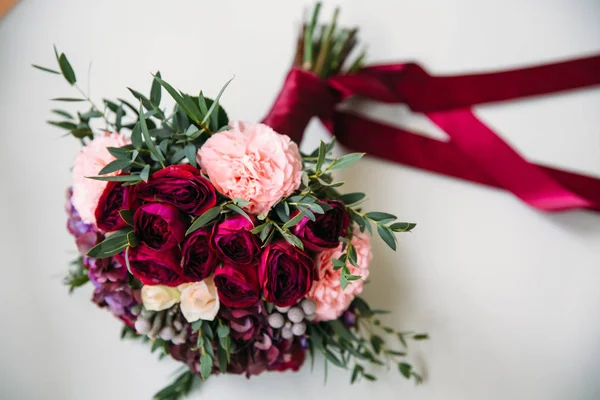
(473, 152)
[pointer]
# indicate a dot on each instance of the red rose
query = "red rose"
(324, 231)
(286, 273)
(235, 242)
(181, 186)
(113, 199)
(160, 226)
(198, 260)
(237, 287)
(155, 267)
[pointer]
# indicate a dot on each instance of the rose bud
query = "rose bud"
(159, 226)
(113, 199)
(199, 259)
(233, 239)
(153, 267)
(181, 186)
(237, 287)
(286, 273)
(324, 231)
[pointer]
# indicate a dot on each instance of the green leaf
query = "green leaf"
(362, 307)
(321, 156)
(180, 388)
(238, 210)
(333, 359)
(145, 174)
(202, 103)
(223, 331)
(63, 124)
(112, 245)
(345, 161)
(67, 99)
(179, 99)
(190, 153)
(132, 240)
(222, 357)
(351, 198)
(118, 178)
(66, 69)
(405, 369)
(63, 113)
(127, 216)
(114, 166)
(204, 219)
(155, 91)
(136, 136)
(344, 282)
(355, 372)
(81, 133)
(119, 117)
(240, 202)
(388, 237)
(215, 103)
(294, 220)
(379, 216)
(206, 364)
(402, 226)
(420, 336)
(377, 343)
(337, 263)
(148, 139)
(143, 99)
(52, 71)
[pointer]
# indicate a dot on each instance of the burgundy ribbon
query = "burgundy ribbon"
(473, 152)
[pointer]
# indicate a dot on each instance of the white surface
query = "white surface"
(509, 295)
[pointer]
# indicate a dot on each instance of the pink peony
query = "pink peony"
(252, 162)
(92, 158)
(331, 300)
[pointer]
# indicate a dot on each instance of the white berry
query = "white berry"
(299, 329)
(276, 320)
(288, 325)
(309, 306)
(282, 310)
(295, 314)
(287, 333)
(142, 326)
(167, 333)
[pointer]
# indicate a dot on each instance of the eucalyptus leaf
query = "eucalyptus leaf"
(387, 235)
(204, 219)
(114, 166)
(345, 161)
(52, 71)
(66, 69)
(112, 245)
(155, 91)
(238, 210)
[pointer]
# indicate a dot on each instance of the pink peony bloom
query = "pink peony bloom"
(252, 162)
(92, 158)
(331, 300)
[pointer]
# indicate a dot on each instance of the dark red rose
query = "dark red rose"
(237, 287)
(286, 273)
(324, 231)
(153, 267)
(113, 199)
(182, 186)
(160, 226)
(235, 242)
(199, 259)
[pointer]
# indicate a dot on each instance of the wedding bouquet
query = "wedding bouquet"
(219, 242)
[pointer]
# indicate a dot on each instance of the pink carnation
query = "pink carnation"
(331, 300)
(252, 162)
(92, 158)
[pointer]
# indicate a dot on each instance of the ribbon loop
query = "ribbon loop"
(474, 152)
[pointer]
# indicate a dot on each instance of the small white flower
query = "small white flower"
(159, 297)
(199, 300)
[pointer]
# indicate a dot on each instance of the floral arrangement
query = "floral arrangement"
(219, 242)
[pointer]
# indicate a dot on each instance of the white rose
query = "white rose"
(199, 300)
(159, 297)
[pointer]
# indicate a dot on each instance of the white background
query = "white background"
(509, 295)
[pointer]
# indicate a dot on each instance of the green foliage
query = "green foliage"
(180, 388)
(77, 275)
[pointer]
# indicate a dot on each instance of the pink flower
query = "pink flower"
(92, 158)
(331, 300)
(252, 162)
